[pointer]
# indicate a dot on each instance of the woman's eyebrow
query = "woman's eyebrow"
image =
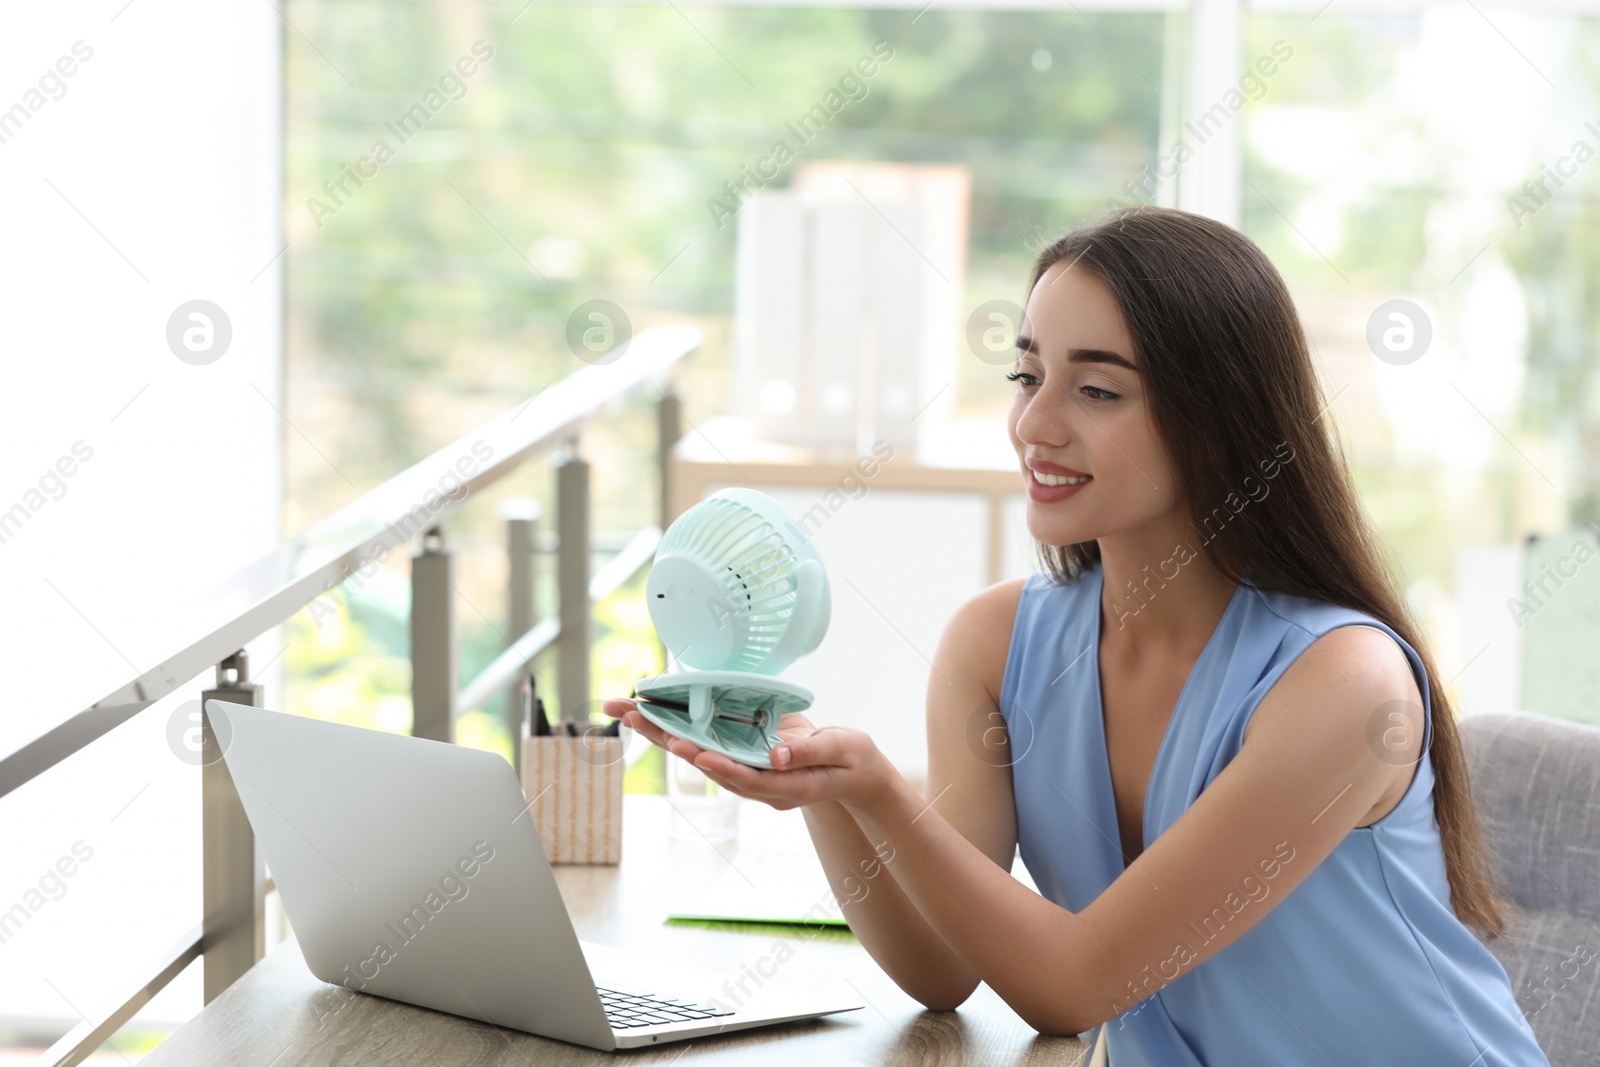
(1082, 355)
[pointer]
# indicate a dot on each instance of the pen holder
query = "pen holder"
(573, 786)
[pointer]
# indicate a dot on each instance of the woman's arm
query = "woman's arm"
(880, 914)
(1305, 775)
(962, 711)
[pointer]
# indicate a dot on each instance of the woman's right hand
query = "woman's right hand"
(790, 728)
(831, 763)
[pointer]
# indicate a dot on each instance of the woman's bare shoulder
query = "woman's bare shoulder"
(978, 635)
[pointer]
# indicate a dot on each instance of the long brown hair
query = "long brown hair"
(1230, 380)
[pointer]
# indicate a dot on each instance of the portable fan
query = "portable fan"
(736, 596)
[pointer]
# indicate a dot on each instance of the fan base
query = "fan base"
(734, 713)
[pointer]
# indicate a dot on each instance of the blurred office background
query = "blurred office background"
(1439, 154)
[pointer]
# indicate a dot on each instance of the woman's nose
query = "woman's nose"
(1047, 418)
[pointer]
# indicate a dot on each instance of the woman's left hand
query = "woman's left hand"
(812, 765)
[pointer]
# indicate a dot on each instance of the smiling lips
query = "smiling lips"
(1051, 482)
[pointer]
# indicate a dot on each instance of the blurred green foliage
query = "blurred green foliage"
(579, 160)
(1411, 225)
(577, 164)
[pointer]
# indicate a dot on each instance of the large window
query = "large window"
(1429, 155)
(587, 156)
(1441, 157)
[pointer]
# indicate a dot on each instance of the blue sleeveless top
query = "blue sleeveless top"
(1364, 962)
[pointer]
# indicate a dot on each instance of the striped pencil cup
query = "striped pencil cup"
(573, 786)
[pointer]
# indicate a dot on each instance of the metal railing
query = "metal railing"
(213, 629)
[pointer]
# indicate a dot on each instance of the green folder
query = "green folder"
(800, 903)
(756, 922)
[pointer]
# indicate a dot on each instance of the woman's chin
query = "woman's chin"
(1057, 534)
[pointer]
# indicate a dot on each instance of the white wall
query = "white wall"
(146, 178)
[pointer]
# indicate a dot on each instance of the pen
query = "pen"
(572, 728)
(535, 706)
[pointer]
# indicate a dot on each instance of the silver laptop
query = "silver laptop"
(412, 870)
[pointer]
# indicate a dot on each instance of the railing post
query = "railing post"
(435, 663)
(231, 869)
(669, 428)
(522, 517)
(572, 566)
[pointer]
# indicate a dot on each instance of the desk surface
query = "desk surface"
(279, 1014)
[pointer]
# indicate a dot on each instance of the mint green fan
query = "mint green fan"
(737, 594)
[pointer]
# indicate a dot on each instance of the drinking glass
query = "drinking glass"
(701, 809)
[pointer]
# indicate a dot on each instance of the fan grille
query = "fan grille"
(755, 565)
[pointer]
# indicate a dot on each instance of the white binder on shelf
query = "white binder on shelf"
(848, 303)
(841, 290)
(771, 330)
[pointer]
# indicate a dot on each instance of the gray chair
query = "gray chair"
(1536, 782)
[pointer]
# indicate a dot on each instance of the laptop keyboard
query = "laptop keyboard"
(627, 1010)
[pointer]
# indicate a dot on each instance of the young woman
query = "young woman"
(1209, 724)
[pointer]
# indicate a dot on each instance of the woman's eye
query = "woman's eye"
(1094, 392)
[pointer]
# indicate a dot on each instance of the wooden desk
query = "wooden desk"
(278, 1014)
